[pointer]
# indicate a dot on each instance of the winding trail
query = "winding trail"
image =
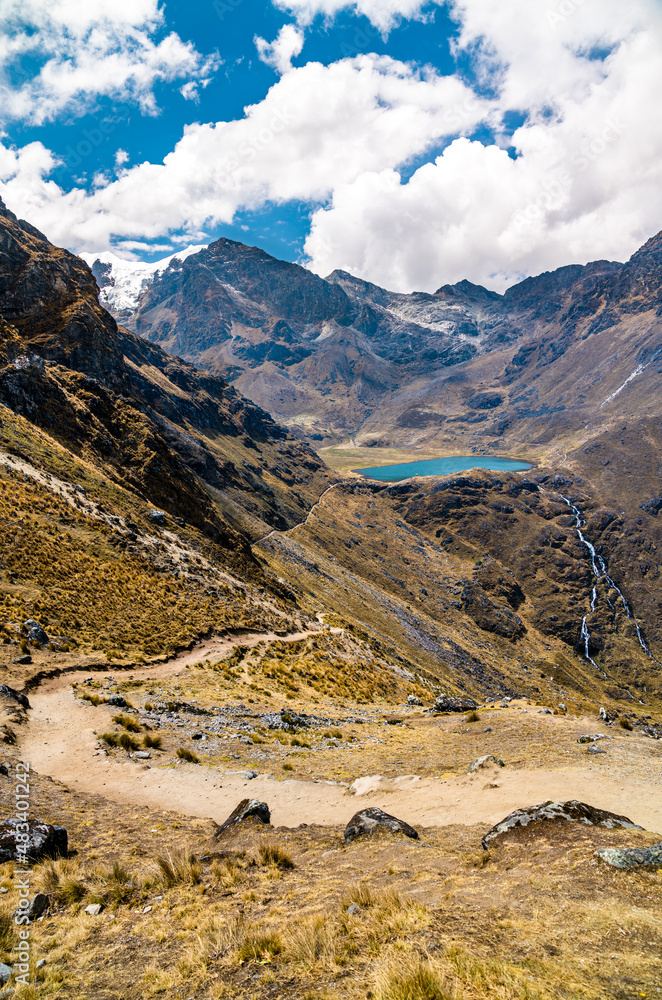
(59, 741)
(301, 524)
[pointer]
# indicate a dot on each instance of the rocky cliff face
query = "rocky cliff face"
(331, 356)
(183, 439)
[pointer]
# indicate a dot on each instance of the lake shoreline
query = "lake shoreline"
(447, 465)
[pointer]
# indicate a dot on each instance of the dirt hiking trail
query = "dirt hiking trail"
(59, 741)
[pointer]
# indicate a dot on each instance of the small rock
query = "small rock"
(246, 775)
(633, 857)
(353, 909)
(147, 909)
(5, 973)
(247, 809)
(592, 737)
(366, 822)
(480, 762)
(545, 711)
(197, 736)
(157, 516)
(562, 707)
(573, 811)
(38, 905)
(41, 963)
(117, 701)
(488, 730)
(411, 700)
(4, 770)
(94, 909)
(23, 659)
(142, 755)
(594, 748)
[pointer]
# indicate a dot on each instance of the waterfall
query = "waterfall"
(599, 568)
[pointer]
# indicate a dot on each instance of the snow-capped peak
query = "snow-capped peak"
(122, 281)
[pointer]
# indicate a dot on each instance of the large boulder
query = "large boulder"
(247, 809)
(35, 632)
(44, 840)
(632, 857)
(368, 821)
(448, 703)
(572, 811)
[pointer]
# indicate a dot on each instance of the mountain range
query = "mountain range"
(558, 356)
(479, 581)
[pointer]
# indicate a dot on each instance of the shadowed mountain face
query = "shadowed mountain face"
(182, 439)
(342, 356)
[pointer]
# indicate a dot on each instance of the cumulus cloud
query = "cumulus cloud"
(580, 178)
(86, 49)
(383, 14)
(317, 128)
(586, 181)
(280, 53)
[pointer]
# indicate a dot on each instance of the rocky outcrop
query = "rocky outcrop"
(370, 821)
(632, 857)
(480, 762)
(41, 840)
(247, 809)
(491, 617)
(449, 703)
(550, 812)
(15, 696)
(153, 423)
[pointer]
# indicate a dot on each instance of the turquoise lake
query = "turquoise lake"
(442, 467)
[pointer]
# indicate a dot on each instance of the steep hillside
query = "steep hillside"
(180, 437)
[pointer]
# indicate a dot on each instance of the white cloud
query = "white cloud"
(86, 49)
(318, 127)
(586, 183)
(383, 14)
(282, 50)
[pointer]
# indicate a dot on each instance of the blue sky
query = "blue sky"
(229, 29)
(411, 143)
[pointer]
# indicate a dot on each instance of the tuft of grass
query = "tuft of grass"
(362, 895)
(180, 868)
(152, 742)
(110, 739)
(127, 742)
(260, 946)
(61, 880)
(625, 724)
(472, 717)
(272, 854)
(413, 980)
(130, 724)
(93, 699)
(313, 943)
(287, 767)
(6, 934)
(188, 756)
